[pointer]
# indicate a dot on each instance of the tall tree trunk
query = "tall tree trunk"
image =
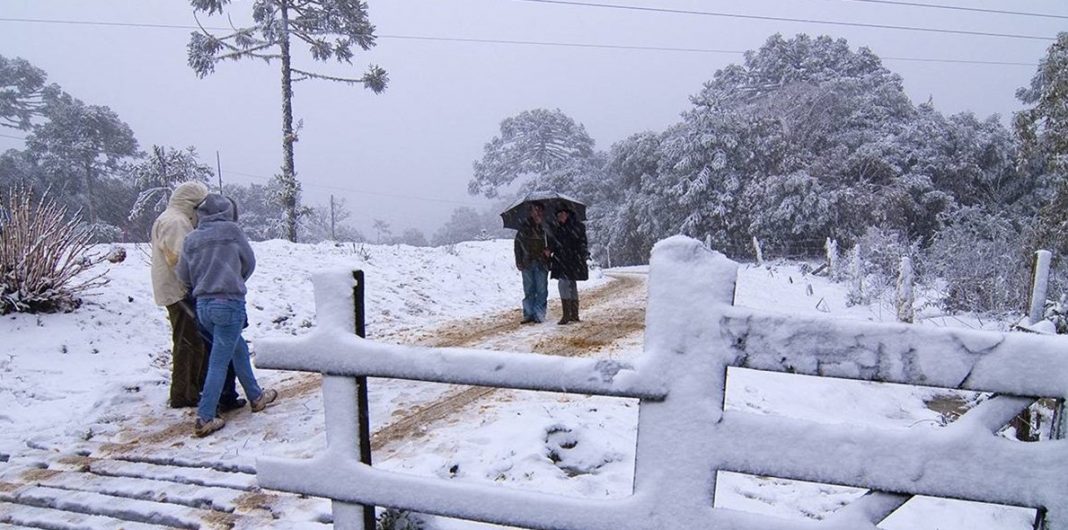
(89, 191)
(290, 188)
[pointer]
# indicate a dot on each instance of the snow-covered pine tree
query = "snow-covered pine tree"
(1043, 128)
(84, 146)
(533, 144)
(158, 174)
(329, 28)
(22, 92)
(262, 216)
(1043, 132)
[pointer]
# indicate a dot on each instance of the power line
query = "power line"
(788, 19)
(960, 8)
(523, 42)
(669, 49)
(562, 44)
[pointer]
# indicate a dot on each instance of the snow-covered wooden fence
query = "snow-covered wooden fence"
(685, 438)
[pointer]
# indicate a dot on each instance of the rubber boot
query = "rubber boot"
(575, 310)
(565, 312)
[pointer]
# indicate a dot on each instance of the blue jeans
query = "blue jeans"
(224, 319)
(535, 291)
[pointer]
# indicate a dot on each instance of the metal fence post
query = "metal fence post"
(358, 293)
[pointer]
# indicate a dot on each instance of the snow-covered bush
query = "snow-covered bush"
(882, 250)
(855, 294)
(104, 233)
(392, 519)
(42, 253)
(981, 257)
(1057, 312)
(834, 271)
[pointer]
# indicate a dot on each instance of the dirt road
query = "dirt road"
(150, 475)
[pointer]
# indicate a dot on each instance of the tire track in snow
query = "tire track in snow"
(604, 324)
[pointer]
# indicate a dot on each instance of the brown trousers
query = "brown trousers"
(189, 360)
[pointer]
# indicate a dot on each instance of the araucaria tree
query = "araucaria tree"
(330, 29)
(22, 92)
(540, 144)
(162, 171)
(80, 143)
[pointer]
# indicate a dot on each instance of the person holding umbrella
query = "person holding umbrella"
(532, 259)
(568, 266)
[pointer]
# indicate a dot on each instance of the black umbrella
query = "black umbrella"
(519, 211)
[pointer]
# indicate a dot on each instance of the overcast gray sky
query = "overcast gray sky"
(405, 156)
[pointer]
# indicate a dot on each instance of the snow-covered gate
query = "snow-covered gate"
(684, 436)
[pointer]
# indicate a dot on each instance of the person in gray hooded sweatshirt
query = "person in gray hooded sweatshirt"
(216, 260)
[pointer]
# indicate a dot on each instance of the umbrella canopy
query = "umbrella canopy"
(520, 210)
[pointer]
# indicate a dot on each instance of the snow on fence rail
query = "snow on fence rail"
(685, 438)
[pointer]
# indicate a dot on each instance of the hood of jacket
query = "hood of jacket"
(216, 207)
(187, 196)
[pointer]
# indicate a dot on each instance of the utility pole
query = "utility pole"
(218, 164)
(333, 235)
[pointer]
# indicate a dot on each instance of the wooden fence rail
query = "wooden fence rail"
(685, 438)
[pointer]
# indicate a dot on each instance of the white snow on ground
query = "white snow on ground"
(76, 376)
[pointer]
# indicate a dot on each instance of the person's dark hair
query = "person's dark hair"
(538, 204)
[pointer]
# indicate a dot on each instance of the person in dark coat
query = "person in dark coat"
(532, 259)
(568, 266)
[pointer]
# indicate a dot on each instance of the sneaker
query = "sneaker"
(203, 428)
(266, 398)
(232, 405)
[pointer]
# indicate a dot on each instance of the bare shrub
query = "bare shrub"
(981, 257)
(42, 254)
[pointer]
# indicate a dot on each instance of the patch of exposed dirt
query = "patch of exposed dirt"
(253, 501)
(472, 332)
(38, 475)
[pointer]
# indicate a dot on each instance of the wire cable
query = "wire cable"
(788, 19)
(521, 42)
(960, 8)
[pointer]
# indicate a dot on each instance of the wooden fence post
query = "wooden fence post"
(831, 246)
(1039, 286)
(905, 295)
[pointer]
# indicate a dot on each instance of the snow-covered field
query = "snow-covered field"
(93, 375)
